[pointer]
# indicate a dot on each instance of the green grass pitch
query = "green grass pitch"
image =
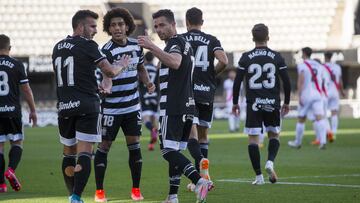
(305, 175)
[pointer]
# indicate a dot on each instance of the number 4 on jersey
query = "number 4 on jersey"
(201, 58)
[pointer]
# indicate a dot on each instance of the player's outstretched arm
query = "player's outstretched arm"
(116, 68)
(25, 88)
(223, 61)
(144, 78)
(173, 60)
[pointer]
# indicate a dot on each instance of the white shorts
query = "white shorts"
(311, 115)
(314, 106)
(333, 103)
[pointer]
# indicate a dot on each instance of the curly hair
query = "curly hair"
(122, 13)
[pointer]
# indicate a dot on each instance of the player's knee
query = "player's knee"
(253, 139)
(105, 146)
(16, 143)
(301, 119)
(318, 117)
(167, 153)
(272, 135)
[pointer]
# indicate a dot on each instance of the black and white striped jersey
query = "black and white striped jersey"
(147, 98)
(125, 95)
(204, 47)
(176, 94)
(12, 74)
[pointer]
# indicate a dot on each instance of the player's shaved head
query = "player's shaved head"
(260, 32)
(194, 16)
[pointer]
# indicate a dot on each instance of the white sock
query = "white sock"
(237, 122)
(173, 196)
(320, 130)
(334, 123)
(231, 122)
(262, 136)
(314, 128)
(300, 128)
(327, 124)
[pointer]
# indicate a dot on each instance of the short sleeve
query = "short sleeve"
(217, 45)
(141, 56)
(174, 46)
(108, 55)
(300, 68)
(94, 52)
(242, 63)
(281, 63)
(22, 73)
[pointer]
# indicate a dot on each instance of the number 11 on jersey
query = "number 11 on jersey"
(69, 65)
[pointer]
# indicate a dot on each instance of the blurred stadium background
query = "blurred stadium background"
(36, 25)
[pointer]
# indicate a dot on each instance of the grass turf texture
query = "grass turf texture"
(230, 169)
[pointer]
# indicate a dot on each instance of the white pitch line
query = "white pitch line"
(295, 183)
(327, 176)
(240, 180)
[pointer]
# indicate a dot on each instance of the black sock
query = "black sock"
(273, 148)
(149, 125)
(204, 149)
(2, 168)
(135, 163)
(100, 164)
(182, 163)
(15, 156)
(194, 149)
(81, 177)
(254, 154)
(174, 179)
(68, 167)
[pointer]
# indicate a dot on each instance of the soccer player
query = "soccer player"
(262, 68)
(121, 108)
(176, 103)
(335, 87)
(309, 84)
(233, 120)
(75, 59)
(12, 78)
(150, 102)
(206, 48)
